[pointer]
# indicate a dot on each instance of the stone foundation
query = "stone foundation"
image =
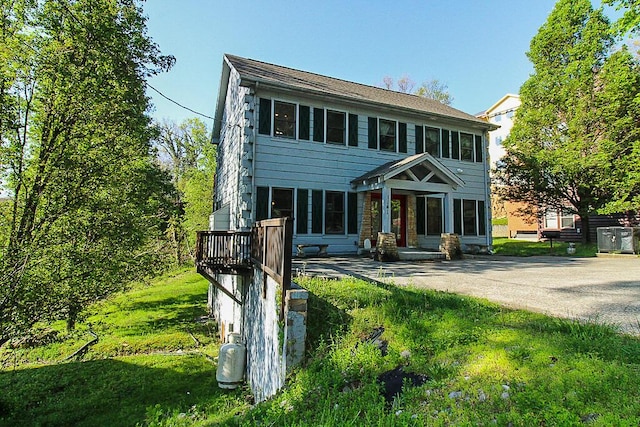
(386, 247)
(450, 246)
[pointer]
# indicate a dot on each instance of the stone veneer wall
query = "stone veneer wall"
(412, 232)
(387, 248)
(273, 347)
(365, 230)
(450, 246)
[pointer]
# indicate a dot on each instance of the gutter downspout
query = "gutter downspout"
(487, 185)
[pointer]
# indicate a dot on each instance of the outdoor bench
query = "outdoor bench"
(322, 249)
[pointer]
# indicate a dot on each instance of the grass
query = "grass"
(513, 247)
(145, 368)
(486, 365)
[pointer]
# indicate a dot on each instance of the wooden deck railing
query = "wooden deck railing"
(224, 251)
(268, 246)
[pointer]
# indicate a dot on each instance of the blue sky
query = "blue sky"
(476, 47)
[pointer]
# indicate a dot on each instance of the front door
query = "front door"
(398, 217)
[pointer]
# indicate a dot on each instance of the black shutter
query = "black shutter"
(444, 140)
(373, 133)
(353, 130)
(302, 211)
(402, 137)
(262, 203)
(420, 215)
(304, 122)
(264, 121)
(316, 211)
(455, 145)
(318, 124)
(419, 139)
(352, 206)
(482, 215)
(479, 149)
(457, 216)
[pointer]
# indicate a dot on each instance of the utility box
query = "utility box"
(618, 239)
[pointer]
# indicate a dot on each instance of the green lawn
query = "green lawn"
(146, 367)
(513, 247)
(486, 365)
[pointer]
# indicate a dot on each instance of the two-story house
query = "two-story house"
(346, 160)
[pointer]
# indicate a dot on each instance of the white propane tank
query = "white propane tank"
(231, 361)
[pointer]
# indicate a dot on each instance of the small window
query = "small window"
(334, 212)
(387, 135)
(498, 117)
(499, 140)
(284, 119)
(434, 216)
(551, 218)
(510, 113)
(469, 217)
(282, 203)
(336, 127)
(466, 147)
(432, 141)
(567, 220)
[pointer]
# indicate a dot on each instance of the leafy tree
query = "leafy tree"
(87, 199)
(187, 152)
(630, 20)
(575, 131)
(431, 89)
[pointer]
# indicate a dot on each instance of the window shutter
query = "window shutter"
(402, 137)
(304, 122)
(262, 203)
(302, 211)
(444, 141)
(479, 149)
(482, 215)
(316, 211)
(419, 139)
(353, 130)
(457, 216)
(318, 124)
(264, 120)
(352, 206)
(373, 133)
(420, 215)
(455, 145)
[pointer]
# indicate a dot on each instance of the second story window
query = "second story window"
(336, 127)
(284, 119)
(387, 135)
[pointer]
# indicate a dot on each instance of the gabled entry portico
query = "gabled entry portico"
(421, 174)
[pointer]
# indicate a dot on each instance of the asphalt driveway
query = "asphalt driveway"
(599, 289)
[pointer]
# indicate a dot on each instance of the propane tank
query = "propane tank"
(231, 361)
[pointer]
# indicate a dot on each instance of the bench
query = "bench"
(322, 249)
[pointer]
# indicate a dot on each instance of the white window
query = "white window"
(284, 119)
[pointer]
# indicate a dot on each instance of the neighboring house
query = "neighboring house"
(563, 224)
(346, 160)
(502, 114)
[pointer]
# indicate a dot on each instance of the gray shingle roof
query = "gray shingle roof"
(256, 71)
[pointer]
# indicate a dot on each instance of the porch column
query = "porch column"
(448, 213)
(386, 209)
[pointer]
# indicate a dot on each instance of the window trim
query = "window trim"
(345, 115)
(296, 121)
(343, 212)
(395, 136)
(442, 216)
